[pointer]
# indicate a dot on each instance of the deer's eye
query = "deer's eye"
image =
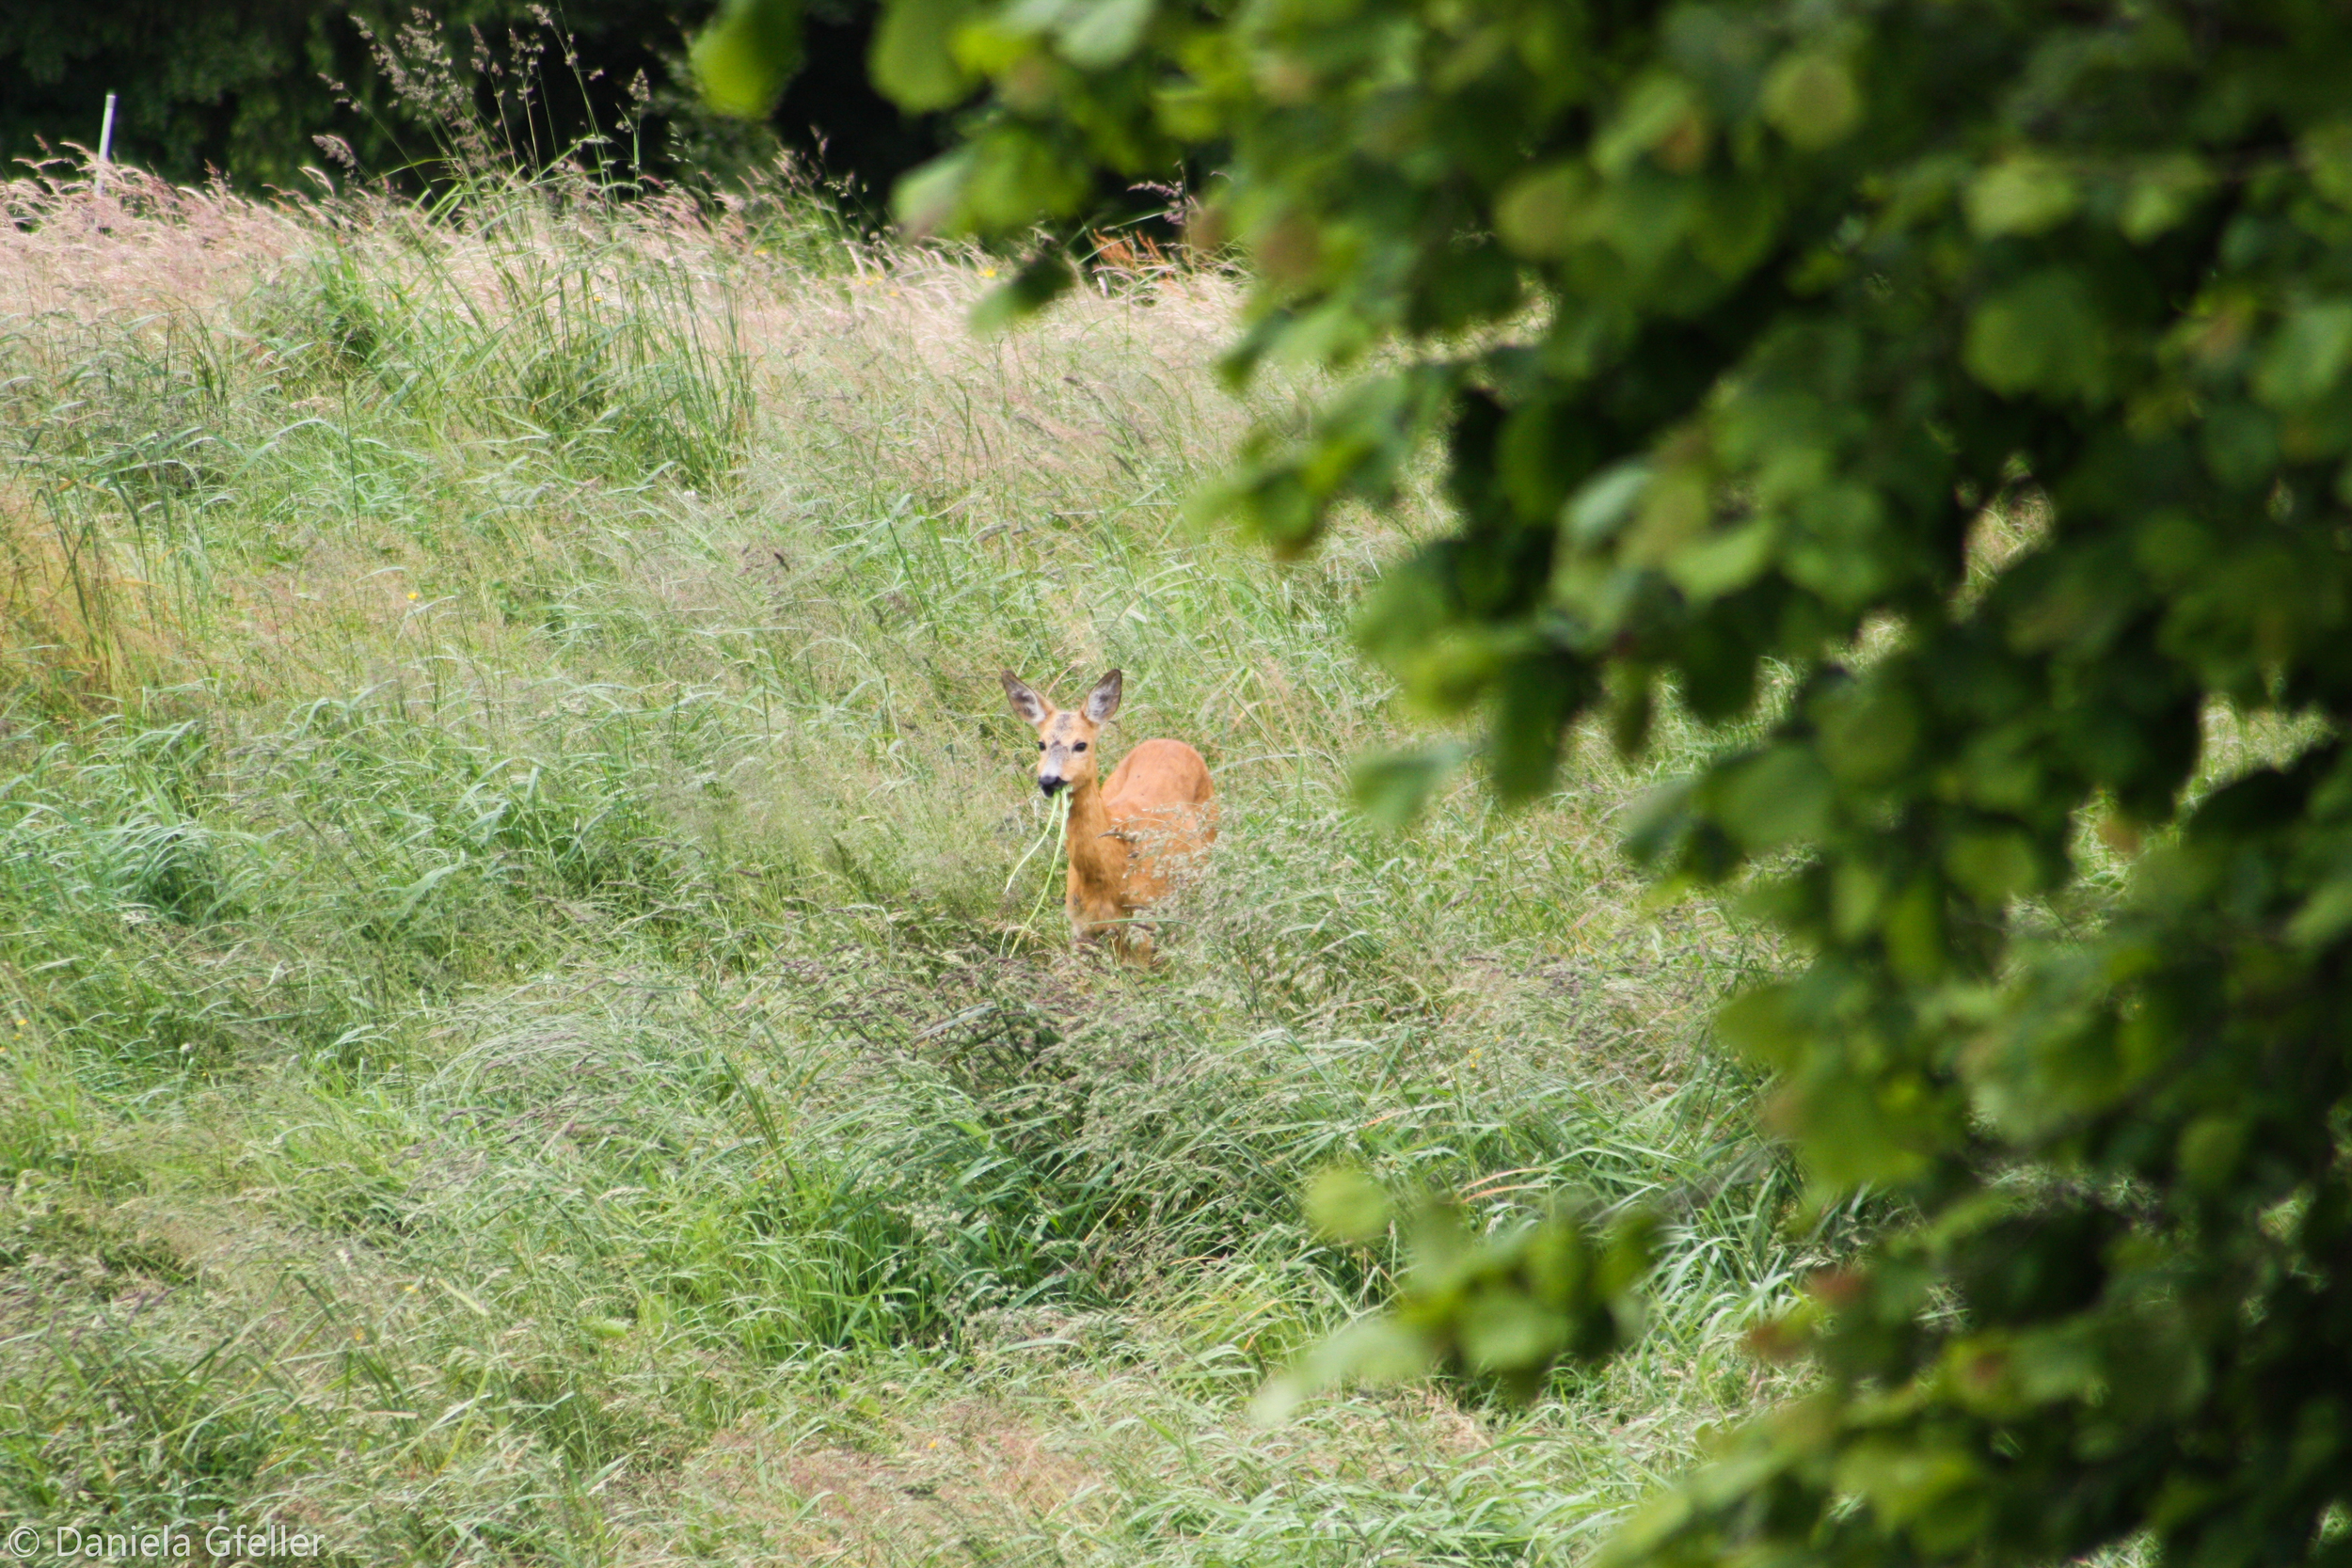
(1080, 747)
(1041, 745)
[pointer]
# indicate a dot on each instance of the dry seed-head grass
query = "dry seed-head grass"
(877, 375)
(141, 245)
(870, 368)
(954, 1472)
(74, 625)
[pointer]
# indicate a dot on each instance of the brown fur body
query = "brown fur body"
(1131, 836)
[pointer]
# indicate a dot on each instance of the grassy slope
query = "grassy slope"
(531, 1035)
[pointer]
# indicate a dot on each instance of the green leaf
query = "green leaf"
(1607, 502)
(1393, 789)
(2326, 151)
(1659, 820)
(1810, 97)
(1504, 1330)
(1869, 732)
(1631, 707)
(1535, 214)
(2163, 193)
(1095, 34)
(1630, 1253)
(2307, 355)
(2326, 915)
(1037, 284)
(1535, 698)
(1992, 865)
(2023, 195)
(746, 55)
(1901, 1479)
(913, 58)
(2239, 443)
(2042, 335)
(1191, 105)
(1019, 175)
(2211, 1147)
(1347, 1205)
(1723, 561)
(1783, 796)
(1659, 111)
(2048, 1366)
(1676, 505)
(1851, 1137)
(1543, 451)
(1838, 546)
(929, 199)
(1370, 1350)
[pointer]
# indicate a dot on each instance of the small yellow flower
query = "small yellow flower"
(359, 1334)
(412, 597)
(987, 272)
(761, 251)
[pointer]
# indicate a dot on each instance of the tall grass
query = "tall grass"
(533, 1029)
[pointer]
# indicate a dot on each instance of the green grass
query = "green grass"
(531, 1033)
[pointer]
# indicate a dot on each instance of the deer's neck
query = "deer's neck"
(1096, 858)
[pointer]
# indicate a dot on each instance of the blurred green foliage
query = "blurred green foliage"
(1748, 332)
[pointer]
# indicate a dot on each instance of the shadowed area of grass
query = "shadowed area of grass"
(533, 1029)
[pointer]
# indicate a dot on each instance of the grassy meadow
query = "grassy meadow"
(538, 1022)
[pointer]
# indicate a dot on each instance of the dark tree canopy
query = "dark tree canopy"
(242, 88)
(1731, 320)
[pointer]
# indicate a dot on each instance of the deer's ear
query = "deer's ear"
(1031, 707)
(1104, 700)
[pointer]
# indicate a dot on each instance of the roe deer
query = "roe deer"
(1130, 837)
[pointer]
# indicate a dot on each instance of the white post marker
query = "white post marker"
(105, 146)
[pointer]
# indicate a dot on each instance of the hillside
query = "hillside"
(539, 1022)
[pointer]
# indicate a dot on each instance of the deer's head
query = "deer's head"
(1065, 737)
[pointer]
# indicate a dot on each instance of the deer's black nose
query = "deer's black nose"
(1050, 785)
